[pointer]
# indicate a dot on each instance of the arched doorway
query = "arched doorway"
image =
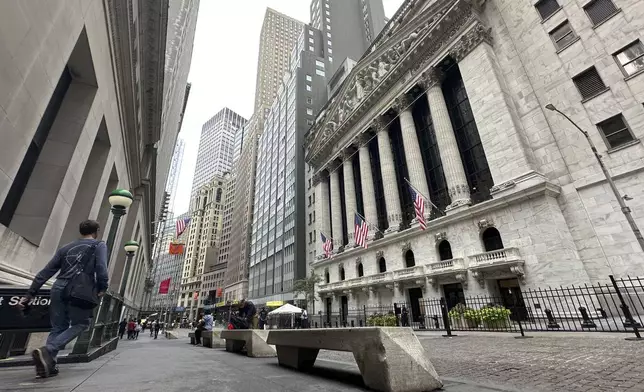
(410, 261)
(382, 265)
(492, 239)
(360, 270)
(445, 250)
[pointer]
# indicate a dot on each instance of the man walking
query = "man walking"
(122, 326)
(86, 255)
(157, 327)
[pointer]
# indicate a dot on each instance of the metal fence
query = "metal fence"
(617, 306)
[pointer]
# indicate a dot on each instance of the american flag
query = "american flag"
(181, 225)
(419, 206)
(361, 230)
(327, 245)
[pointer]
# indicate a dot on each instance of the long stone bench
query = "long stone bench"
(212, 339)
(390, 359)
(254, 340)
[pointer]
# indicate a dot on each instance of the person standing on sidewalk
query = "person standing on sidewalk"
(157, 327)
(67, 320)
(122, 326)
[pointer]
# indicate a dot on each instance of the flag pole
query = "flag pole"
(427, 199)
(368, 223)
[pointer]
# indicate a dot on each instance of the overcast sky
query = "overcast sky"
(224, 66)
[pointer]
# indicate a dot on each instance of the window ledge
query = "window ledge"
(595, 95)
(551, 15)
(607, 19)
(569, 45)
(638, 73)
(623, 146)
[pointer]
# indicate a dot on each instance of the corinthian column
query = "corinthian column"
(415, 166)
(368, 192)
(389, 184)
(336, 207)
(349, 193)
(458, 189)
(322, 216)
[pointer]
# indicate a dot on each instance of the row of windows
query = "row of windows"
(597, 10)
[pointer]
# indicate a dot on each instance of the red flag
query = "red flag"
(220, 292)
(175, 249)
(164, 286)
(195, 295)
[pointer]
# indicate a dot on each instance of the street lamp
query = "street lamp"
(120, 200)
(625, 209)
(130, 249)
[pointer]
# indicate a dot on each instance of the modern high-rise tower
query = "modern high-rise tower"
(348, 26)
(215, 156)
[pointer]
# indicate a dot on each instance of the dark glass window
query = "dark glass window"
(341, 273)
(445, 250)
(589, 83)
(492, 239)
(327, 279)
(615, 131)
(469, 143)
(563, 35)
(547, 8)
(600, 10)
(631, 58)
(382, 265)
(410, 261)
(360, 270)
(431, 156)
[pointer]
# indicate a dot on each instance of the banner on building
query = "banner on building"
(176, 248)
(195, 296)
(164, 286)
(220, 292)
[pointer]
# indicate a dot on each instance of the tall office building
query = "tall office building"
(172, 184)
(279, 33)
(348, 27)
(168, 266)
(279, 226)
(215, 156)
(278, 36)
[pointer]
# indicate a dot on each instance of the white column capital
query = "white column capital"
(403, 103)
(380, 124)
(431, 77)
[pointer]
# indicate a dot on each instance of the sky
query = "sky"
(224, 67)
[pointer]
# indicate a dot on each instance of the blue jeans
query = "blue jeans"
(67, 321)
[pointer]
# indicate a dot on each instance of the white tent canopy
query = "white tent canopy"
(286, 309)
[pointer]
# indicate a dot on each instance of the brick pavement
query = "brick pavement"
(544, 363)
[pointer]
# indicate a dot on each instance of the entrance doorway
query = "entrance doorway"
(454, 295)
(512, 298)
(344, 309)
(329, 310)
(415, 295)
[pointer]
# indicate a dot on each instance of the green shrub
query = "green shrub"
(381, 320)
(494, 313)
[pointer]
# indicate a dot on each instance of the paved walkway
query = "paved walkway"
(473, 363)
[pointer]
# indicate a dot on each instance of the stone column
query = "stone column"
(336, 208)
(392, 199)
(321, 183)
(504, 141)
(368, 192)
(413, 157)
(349, 194)
(457, 186)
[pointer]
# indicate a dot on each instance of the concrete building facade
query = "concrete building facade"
(172, 185)
(215, 155)
(71, 134)
(452, 97)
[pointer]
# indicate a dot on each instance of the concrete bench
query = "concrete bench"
(212, 339)
(254, 340)
(390, 359)
(191, 335)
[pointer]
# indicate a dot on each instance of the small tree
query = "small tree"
(306, 286)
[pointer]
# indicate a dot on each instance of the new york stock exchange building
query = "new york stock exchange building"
(450, 101)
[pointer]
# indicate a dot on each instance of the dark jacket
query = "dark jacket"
(66, 258)
(122, 325)
(248, 311)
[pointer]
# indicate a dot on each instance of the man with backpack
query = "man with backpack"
(72, 297)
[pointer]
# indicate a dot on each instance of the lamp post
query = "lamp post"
(120, 200)
(130, 249)
(625, 209)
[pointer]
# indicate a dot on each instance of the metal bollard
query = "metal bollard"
(551, 319)
(587, 323)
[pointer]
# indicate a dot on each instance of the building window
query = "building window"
(563, 35)
(309, 122)
(308, 87)
(589, 83)
(492, 239)
(309, 78)
(329, 42)
(310, 32)
(547, 8)
(382, 265)
(615, 131)
(600, 10)
(631, 58)
(319, 64)
(309, 111)
(309, 100)
(330, 59)
(311, 40)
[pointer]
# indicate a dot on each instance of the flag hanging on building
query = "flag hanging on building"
(361, 230)
(195, 296)
(176, 248)
(164, 286)
(419, 206)
(327, 245)
(181, 225)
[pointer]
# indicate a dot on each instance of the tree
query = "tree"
(306, 286)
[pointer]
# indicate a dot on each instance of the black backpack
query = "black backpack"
(81, 288)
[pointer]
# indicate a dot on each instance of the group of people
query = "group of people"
(134, 327)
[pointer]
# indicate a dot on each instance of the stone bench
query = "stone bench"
(254, 340)
(212, 339)
(390, 359)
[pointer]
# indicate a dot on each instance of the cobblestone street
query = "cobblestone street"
(547, 362)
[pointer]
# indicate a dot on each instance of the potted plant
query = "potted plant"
(495, 317)
(456, 318)
(472, 318)
(381, 320)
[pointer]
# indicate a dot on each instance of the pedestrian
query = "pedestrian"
(131, 328)
(157, 326)
(69, 316)
(263, 315)
(404, 318)
(305, 318)
(137, 330)
(199, 330)
(144, 324)
(122, 326)
(152, 325)
(247, 312)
